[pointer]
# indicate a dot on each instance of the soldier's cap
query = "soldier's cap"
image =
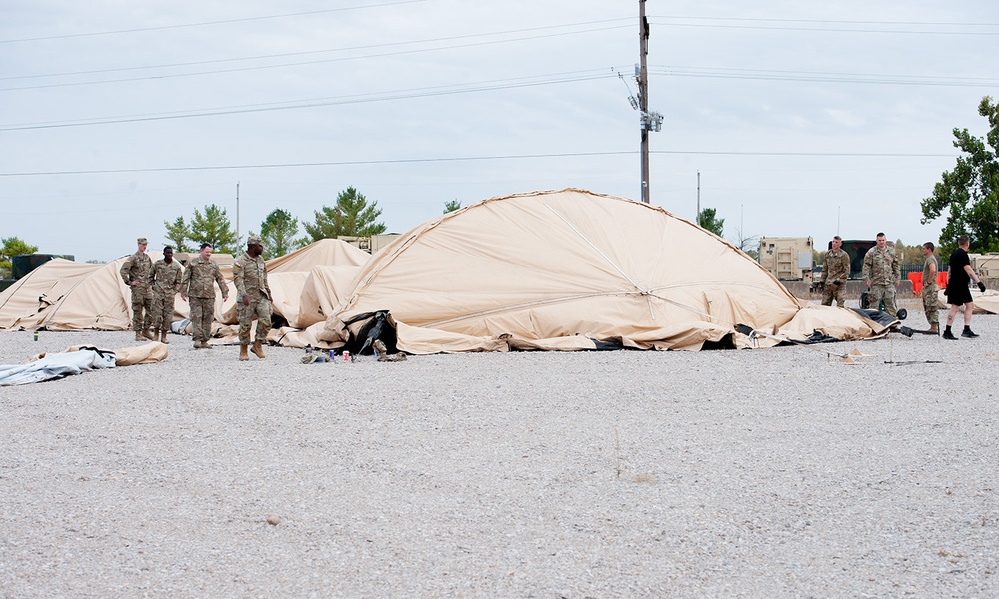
(142, 240)
(254, 240)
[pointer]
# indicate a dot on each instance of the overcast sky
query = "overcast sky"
(802, 118)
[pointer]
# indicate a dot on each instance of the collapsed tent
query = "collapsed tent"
(570, 270)
(24, 304)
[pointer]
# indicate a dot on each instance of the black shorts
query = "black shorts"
(958, 296)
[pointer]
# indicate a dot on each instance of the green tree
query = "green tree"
(12, 246)
(213, 227)
(452, 206)
(709, 220)
(178, 233)
(352, 216)
(278, 233)
(969, 194)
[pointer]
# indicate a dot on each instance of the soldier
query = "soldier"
(882, 273)
(199, 276)
(253, 297)
(165, 282)
(958, 294)
(135, 272)
(930, 302)
(835, 272)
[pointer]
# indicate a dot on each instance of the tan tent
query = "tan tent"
(572, 269)
(24, 304)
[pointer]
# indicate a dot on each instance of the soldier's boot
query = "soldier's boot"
(197, 344)
(163, 338)
(148, 334)
(258, 349)
(139, 336)
(206, 345)
(934, 327)
(243, 356)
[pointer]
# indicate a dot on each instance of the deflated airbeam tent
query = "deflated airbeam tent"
(570, 270)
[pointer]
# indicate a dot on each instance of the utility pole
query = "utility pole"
(651, 121)
(698, 198)
(237, 213)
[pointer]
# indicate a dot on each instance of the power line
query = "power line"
(204, 23)
(830, 29)
(473, 159)
(499, 84)
(311, 62)
(822, 77)
(312, 52)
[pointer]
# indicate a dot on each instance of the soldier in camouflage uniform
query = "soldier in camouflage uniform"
(835, 272)
(882, 273)
(930, 302)
(165, 282)
(198, 281)
(253, 297)
(135, 272)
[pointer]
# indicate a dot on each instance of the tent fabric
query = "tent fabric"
(55, 366)
(324, 251)
(542, 267)
(24, 304)
(985, 303)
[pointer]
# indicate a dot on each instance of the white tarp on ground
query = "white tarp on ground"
(54, 366)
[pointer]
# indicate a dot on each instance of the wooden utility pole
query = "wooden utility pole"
(643, 94)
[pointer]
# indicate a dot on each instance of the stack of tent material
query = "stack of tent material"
(571, 270)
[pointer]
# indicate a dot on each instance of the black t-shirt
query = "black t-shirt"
(958, 276)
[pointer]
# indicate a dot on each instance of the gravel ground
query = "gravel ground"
(769, 473)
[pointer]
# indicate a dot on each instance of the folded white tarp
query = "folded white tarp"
(54, 366)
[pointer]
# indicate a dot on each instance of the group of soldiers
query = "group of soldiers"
(154, 287)
(882, 273)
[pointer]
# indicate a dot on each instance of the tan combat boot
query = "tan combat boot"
(242, 353)
(149, 335)
(139, 336)
(258, 350)
(197, 344)
(163, 338)
(934, 327)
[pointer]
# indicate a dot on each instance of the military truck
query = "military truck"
(856, 249)
(788, 258)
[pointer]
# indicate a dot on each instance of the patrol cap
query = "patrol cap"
(254, 240)
(142, 240)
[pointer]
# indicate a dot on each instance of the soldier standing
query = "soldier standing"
(930, 302)
(835, 272)
(200, 275)
(882, 273)
(135, 272)
(165, 282)
(253, 297)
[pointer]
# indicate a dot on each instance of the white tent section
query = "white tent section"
(571, 270)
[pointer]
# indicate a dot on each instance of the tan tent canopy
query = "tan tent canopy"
(571, 269)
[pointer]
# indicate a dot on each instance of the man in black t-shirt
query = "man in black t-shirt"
(957, 292)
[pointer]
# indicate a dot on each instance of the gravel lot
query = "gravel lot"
(759, 473)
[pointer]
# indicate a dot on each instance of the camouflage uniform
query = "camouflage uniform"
(165, 281)
(882, 269)
(835, 272)
(930, 303)
(250, 277)
(198, 284)
(137, 268)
